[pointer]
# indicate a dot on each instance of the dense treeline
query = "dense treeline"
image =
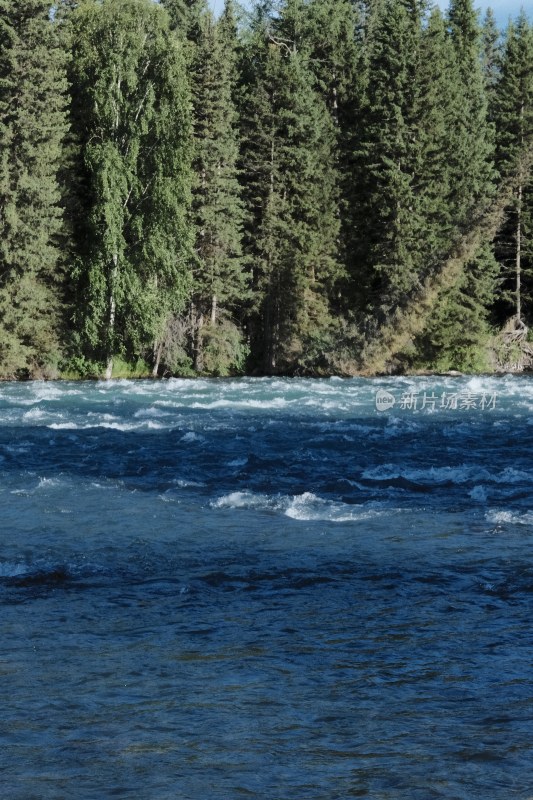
(276, 190)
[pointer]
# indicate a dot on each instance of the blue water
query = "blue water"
(266, 588)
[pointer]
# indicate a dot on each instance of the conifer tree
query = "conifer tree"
(292, 199)
(490, 53)
(473, 174)
(386, 215)
(33, 124)
(331, 37)
(219, 285)
(513, 110)
(457, 332)
(130, 114)
(332, 33)
(433, 118)
(179, 12)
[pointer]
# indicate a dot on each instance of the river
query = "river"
(267, 588)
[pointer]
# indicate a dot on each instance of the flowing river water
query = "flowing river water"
(265, 588)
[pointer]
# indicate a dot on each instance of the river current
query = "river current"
(265, 588)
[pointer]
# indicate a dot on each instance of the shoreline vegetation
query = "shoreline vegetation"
(300, 188)
(139, 374)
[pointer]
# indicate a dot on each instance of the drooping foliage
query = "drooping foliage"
(130, 114)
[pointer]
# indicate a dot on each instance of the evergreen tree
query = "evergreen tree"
(130, 114)
(514, 97)
(330, 36)
(178, 12)
(513, 111)
(33, 124)
(387, 223)
(473, 174)
(292, 200)
(185, 17)
(436, 106)
(458, 330)
(490, 52)
(219, 279)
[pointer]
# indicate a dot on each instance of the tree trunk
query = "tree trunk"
(268, 356)
(519, 253)
(112, 316)
(198, 361)
(158, 351)
(519, 205)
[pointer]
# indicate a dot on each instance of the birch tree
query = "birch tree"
(130, 109)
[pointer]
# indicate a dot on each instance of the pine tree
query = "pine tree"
(292, 200)
(459, 330)
(330, 35)
(457, 333)
(131, 117)
(33, 124)
(179, 13)
(186, 18)
(513, 111)
(219, 278)
(385, 254)
(490, 53)
(436, 106)
(331, 32)
(473, 174)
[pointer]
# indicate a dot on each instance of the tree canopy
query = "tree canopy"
(276, 190)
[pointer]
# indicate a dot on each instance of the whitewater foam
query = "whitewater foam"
(305, 507)
(506, 517)
(190, 437)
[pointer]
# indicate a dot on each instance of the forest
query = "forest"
(306, 187)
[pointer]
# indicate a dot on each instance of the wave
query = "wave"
(238, 462)
(13, 569)
(172, 495)
(479, 493)
(162, 403)
(263, 405)
(506, 517)
(35, 413)
(310, 507)
(124, 427)
(306, 506)
(191, 436)
(435, 476)
(431, 475)
(43, 484)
